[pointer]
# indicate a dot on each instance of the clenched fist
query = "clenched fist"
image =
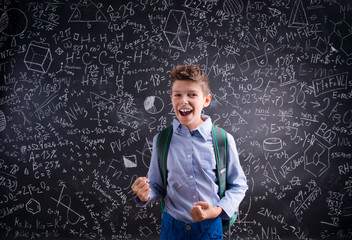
(203, 210)
(141, 188)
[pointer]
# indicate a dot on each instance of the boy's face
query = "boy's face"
(188, 101)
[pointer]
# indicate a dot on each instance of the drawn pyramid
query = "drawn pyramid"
(298, 16)
(176, 30)
(234, 119)
(87, 11)
(274, 12)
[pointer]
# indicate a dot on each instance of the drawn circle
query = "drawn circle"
(272, 144)
(4, 20)
(15, 22)
(146, 154)
(2, 121)
(153, 104)
(233, 7)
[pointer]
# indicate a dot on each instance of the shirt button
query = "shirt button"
(189, 155)
(188, 227)
(191, 177)
(194, 196)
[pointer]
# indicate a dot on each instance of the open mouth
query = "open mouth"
(185, 112)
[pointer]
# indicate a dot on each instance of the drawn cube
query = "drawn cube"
(38, 58)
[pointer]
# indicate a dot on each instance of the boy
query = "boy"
(193, 209)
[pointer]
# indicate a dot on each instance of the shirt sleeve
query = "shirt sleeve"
(236, 182)
(154, 176)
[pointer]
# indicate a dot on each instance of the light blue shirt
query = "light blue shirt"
(192, 175)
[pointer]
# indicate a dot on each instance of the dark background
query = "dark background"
(85, 87)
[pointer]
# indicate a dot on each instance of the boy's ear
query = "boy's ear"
(207, 100)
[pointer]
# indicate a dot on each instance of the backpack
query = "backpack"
(220, 148)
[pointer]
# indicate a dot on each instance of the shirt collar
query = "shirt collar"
(204, 129)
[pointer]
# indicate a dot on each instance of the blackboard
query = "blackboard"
(85, 86)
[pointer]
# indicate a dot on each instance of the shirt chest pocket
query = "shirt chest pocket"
(208, 164)
(207, 157)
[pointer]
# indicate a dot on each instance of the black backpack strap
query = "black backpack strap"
(220, 147)
(163, 144)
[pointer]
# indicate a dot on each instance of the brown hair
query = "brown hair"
(191, 73)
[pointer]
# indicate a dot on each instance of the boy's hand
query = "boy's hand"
(203, 210)
(141, 188)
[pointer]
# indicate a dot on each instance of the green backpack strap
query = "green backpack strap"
(220, 147)
(163, 144)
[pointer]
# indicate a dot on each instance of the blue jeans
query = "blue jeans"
(172, 229)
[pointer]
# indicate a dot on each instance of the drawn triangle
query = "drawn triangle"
(75, 16)
(269, 173)
(27, 97)
(100, 17)
(99, 101)
(234, 119)
(110, 9)
(87, 11)
(13, 42)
